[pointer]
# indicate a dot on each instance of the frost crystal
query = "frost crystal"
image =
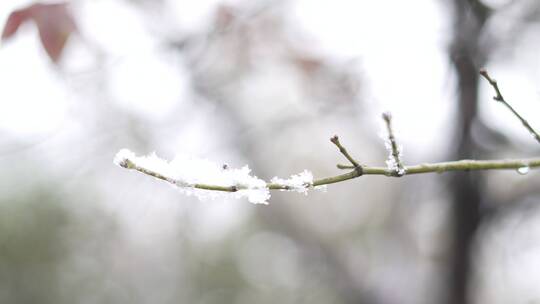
(298, 182)
(185, 172)
(391, 163)
(122, 156)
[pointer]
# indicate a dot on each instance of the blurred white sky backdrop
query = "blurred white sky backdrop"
(48, 118)
(409, 83)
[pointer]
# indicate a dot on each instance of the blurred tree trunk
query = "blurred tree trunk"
(467, 56)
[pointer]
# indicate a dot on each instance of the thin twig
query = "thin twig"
(522, 165)
(399, 169)
(128, 164)
(498, 97)
(335, 140)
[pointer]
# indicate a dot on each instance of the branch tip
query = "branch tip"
(493, 83)
(126, 163)
(335, 140)
(498, 97)
(387, 116)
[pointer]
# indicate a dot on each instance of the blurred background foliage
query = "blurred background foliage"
(265, 83)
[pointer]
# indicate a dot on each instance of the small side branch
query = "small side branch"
(394, 163)
(498, 97)
(355, 165)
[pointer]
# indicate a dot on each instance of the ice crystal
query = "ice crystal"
(297, 182)
(391, 162)
(122, 156)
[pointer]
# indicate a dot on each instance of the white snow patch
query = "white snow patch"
(185, 172)
(298, 182)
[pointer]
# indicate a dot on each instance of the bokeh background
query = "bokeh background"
(266, 83)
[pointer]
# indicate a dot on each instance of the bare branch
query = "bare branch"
(498, 97)
(521, 165)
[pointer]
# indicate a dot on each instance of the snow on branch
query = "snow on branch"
(206, 179)
(209, 180)
(195, 176)
(394, 151)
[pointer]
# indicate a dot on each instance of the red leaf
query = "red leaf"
(15, 19)
(54, 21)
(55, 25)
